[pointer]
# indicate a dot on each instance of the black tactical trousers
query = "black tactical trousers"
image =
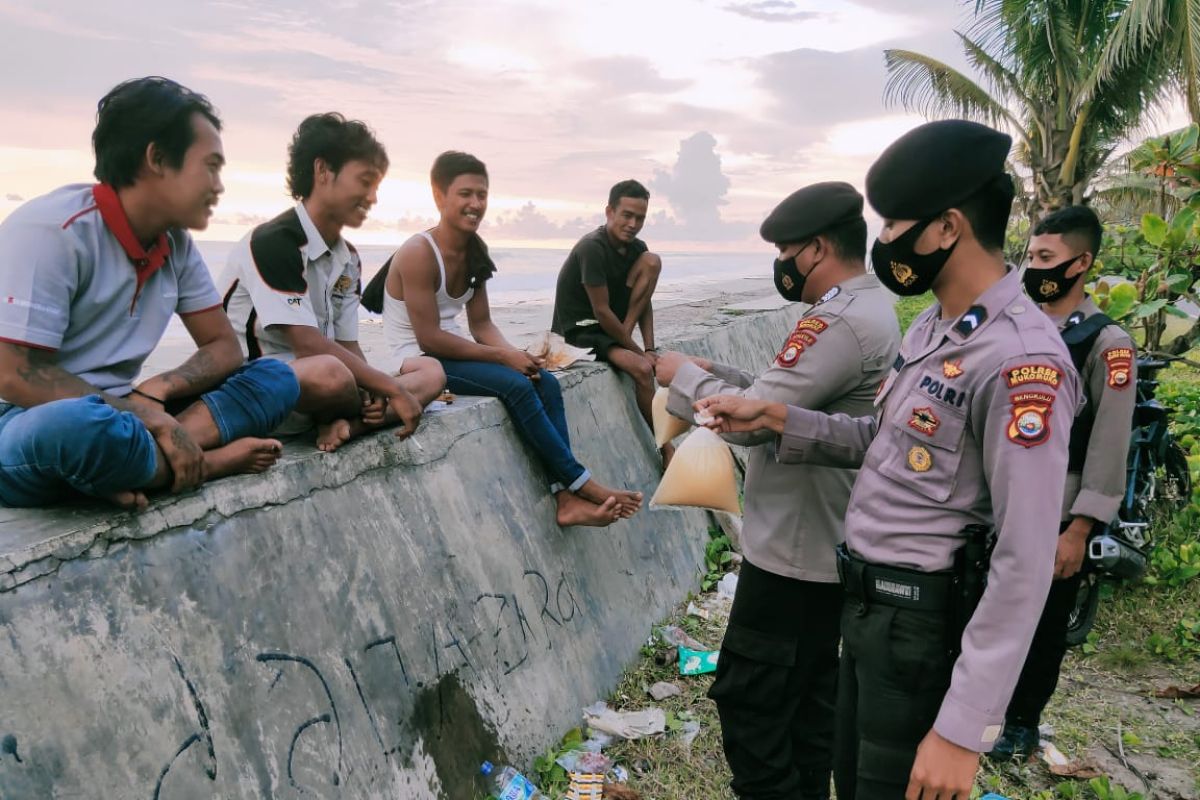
(1039, 676)
(775, 686)
(894, 673)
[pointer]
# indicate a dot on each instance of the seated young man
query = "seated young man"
(604, 291)
(427, 283)
(293, 288)
(93, 274)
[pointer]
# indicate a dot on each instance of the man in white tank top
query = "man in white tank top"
(292, 289)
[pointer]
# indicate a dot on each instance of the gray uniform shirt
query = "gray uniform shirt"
(972, 426)
(833, 361)
(1108, 379)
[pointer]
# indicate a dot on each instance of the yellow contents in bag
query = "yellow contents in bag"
(666, 425)
(701, 474)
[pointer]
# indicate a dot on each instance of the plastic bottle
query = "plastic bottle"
(508, 784)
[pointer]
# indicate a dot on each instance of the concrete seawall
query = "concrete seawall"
(368, 623)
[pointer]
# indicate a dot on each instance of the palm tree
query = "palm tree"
(1171, 27)
(1040, 63)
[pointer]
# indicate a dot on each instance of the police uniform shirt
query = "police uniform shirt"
(75, 280)
(1108, 379)
(972, 426)
(284, 273)
(834, 361)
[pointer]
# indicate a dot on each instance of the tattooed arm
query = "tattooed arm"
(217, 355)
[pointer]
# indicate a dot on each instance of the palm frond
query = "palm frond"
(933, 89)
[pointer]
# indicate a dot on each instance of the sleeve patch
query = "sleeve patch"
(1032, 373)
(804, 335)
(1119, 362)
(1030, 423)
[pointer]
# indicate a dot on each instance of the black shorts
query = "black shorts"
(594, 337)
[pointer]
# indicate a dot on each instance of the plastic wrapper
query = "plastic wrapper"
(700, 475)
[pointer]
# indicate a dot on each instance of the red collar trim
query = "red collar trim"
(145, 262)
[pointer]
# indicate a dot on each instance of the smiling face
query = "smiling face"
(625, 221)
(347, 195)
(189, 193)
(464, 202)
(1048, 250)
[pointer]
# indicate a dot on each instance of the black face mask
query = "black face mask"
(903, 270)
(1048, 285)
(788, 280)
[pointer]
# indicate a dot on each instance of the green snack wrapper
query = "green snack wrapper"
(697, 662)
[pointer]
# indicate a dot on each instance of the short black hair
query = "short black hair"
(335, 140)
(1075, 222)
(848, 239)
(627, 188)
(988, 210)
(141, 112)
(452, 163)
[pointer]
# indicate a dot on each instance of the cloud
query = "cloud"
(628, 75)
(695, 186)
(528, 222)
(12, 197)
(241, 219)
(771, 11)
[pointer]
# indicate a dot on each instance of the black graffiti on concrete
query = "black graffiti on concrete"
(325, 718)
(8, 747)
(202, 735)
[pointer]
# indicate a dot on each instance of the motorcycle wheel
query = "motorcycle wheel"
(1083, 613)
(1175, 490)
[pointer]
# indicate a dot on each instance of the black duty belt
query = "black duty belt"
(894, 586)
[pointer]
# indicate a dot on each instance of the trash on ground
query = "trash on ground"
(678, 637)
(1052, 755)
(556, 353)
(694, 610)
(697, 662)
(662, 690)
(619, 774)
(507, 782)
(1046, 731)
(1179, 693)
(993, 796)
(619, 791)
(666, 425)
(668, 656)
(1079, 770)
(701, 475)
(625, 724)
(688, 734)
(727, 586)
(585, 761)
(586, 786)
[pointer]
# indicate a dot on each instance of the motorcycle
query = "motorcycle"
(1158, 481)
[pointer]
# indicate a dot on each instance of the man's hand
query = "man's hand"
(734, 414)
(520, 361)
(373, 408)
(184, 456)
(942, 770)
(666, 365)
(408, 408)
(1072, 546)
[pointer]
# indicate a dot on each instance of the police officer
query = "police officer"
(776, 679)
(970, 429)
(1061, 251)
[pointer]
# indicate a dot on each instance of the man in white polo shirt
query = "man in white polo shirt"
(89, 278)
(293, 285)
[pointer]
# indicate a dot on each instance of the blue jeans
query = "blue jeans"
(537, 412)
(85, 446)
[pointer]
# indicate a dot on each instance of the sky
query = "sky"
(721, 107)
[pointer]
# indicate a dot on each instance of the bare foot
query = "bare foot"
(628, 503)
(667, 451)
(574, 510)
(333, 435)
(130, 500)
(248, 455)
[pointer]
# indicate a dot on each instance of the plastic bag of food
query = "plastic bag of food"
(666, 425)
(701, 474)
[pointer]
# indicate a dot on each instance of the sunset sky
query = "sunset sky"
(721, 108)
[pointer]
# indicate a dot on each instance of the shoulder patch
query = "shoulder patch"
(832, 293)
(802, 336)
(1032, 373)
(275, 248)
(1119, 362)
(969, 322)
(1030, 423)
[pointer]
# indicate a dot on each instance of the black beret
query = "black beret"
(935, 166)
(812, 210)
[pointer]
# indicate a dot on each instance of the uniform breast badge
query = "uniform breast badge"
(952, 368)
(1030, 424)
(919, 459)
(924, 421)
(1118, 361)
(344, 284)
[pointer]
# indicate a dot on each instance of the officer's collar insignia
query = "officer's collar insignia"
(969, 322)
(832, 293)
(898, 363)
(1075, 318)
(924, 421)
(952, 368)
(919, 459)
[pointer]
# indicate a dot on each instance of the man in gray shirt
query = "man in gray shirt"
(775, 684)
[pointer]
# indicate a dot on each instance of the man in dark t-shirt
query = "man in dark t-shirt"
(604, 291)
